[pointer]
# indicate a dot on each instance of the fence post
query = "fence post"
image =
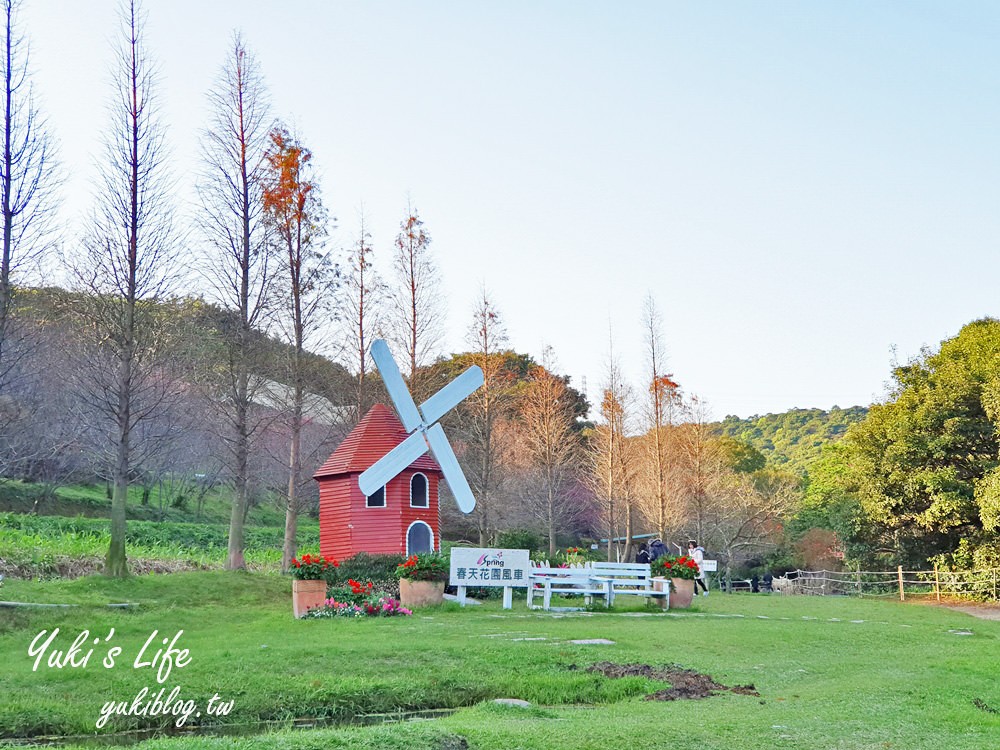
(860, 595)
(902, 594)
(937, 583)
(995, 583)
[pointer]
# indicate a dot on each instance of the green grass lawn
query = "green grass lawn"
(832, 673)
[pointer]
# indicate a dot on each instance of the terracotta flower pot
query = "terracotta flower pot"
(420, 593)
(682, 594)
(307, 595)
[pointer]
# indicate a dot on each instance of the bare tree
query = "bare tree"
(50, 450)
(125, 266)
(486, 448)
(416, 300)
(662, 406)
(239, 266)
(701, 469)
(293, 207)
(27, 192)
(362, 312)
(549, 450)
(744, 513)
(612, 465)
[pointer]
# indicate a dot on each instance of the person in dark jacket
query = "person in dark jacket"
(657, 549)
(642, 556)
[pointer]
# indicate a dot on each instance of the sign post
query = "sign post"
(481, 567)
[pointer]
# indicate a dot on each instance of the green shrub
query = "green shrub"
(520, 539)
(379, 569)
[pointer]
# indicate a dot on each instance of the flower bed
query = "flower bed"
(381, 606)
(359, 599)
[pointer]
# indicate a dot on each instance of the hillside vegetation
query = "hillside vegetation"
(793, 439)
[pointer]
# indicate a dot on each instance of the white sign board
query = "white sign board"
(473, 566)
(709, 566)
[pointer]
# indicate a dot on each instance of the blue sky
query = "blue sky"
(801, 186)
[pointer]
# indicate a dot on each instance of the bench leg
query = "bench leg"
(609, 594)
(547, 596)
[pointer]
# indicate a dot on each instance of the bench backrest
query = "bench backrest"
(621, 570)
(582, 574)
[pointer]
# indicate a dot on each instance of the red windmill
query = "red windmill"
(399, 518)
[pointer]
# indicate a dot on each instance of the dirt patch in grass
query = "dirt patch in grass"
(684, 683)
(983, 706)
(982, 611)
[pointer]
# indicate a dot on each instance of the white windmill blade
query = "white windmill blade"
(451, 395)
(445, 456)
(392, 463)
(395, 386)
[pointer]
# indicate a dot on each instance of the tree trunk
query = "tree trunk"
(235, 559)
(551, 521)
(294, 471)
(628, 533)
(115, 564)
(290, 547)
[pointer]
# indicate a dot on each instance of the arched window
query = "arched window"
(418, 491)
(419, 538)
(376, 500)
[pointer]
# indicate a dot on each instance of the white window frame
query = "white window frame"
(427, 491)
(385, 500)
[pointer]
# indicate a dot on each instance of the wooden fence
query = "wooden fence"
(981, 585)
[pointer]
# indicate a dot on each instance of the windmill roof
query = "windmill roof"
(375, 435)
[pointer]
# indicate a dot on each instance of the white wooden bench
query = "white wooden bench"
(567, 581)
(629, 579)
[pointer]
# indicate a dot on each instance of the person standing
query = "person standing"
(657, 549)
(642, 556)
(697, 554)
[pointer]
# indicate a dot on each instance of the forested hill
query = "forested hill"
(205, 325)
(793, 438)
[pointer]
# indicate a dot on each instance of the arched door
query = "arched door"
(419, 538)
